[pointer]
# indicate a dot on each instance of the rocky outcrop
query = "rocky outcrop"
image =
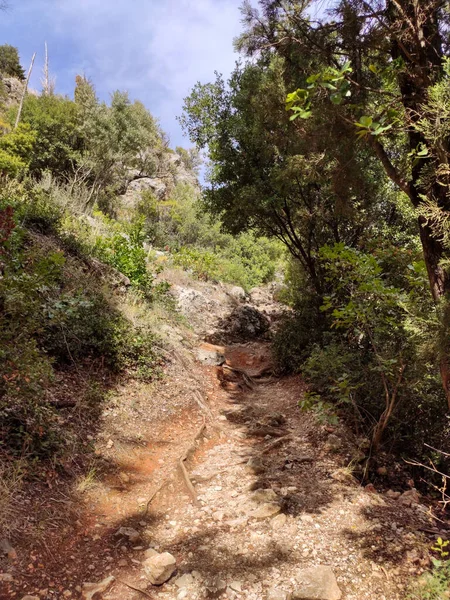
(244, 323)
(12, 89)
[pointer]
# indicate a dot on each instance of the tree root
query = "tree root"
(275, 443)
(183, 469)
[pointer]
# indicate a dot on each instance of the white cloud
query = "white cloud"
(156, 49)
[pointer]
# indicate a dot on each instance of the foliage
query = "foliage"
(10, 62)
(52, 313)
(16, 149)
(434, 585)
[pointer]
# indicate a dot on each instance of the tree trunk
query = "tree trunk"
(416, 40)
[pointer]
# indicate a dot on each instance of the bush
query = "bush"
(53, 312)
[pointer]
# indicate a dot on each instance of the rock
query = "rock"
(137, 186)
(130, 533)
(393, 495)
(343, 476)
(90, 589)
(150, 552)
(209, 354)
(265, 511)
(334, 443)
(215, 585)
(124, 477)
(238, 293)
(277, 594)
(244, 323)
(263, 496)
(236, 586)
(28, 597)
(317, 583)
(409, 497)
(382, 471)
(6, 577)
(6, 548)
(184, 581)
(160, 568)
(256, 466)
(278, 522)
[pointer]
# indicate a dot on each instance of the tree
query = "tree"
(10, 62)
(293, 183)
(381, 62)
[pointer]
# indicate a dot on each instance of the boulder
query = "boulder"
(160, 567)
(154, 185)
(317, 583)
(262, 496)
(244, 323)
(409, 497)
(238, 293)
(209, 354)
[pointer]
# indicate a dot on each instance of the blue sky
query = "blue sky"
(155, 49)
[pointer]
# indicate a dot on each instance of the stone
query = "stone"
(150, 552)
(216, 585)
(160, 568)
(278, 522)
(262, 496)
(89, 590)
(277, 594)
(317, 583)
(6, 577)
(334, 443)
(236, 586)
(209, 354)
(28, 597)
(265, 511)
(256, 466)
(238, 293)
(393, 495)
(244, 323)
(130, 533)
(184, 581)
(6, 548)
(409, 497)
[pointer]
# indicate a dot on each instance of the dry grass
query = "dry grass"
(10, 484)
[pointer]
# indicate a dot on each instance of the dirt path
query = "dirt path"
(233, 540)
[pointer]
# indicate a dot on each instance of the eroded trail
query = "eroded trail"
(271, 498)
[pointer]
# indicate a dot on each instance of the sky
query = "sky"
(154, 49)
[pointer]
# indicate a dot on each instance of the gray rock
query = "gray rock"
(216, 585)
(130, 533)
(317, 583)
(238, 293)
(160, 568)
(157, 186)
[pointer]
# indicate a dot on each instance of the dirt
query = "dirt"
(254, 438)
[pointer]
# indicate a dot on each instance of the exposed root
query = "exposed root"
(183, 469)
(136, 589)
(275, 443)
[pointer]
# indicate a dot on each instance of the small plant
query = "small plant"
(435, 584)
(324, 411)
